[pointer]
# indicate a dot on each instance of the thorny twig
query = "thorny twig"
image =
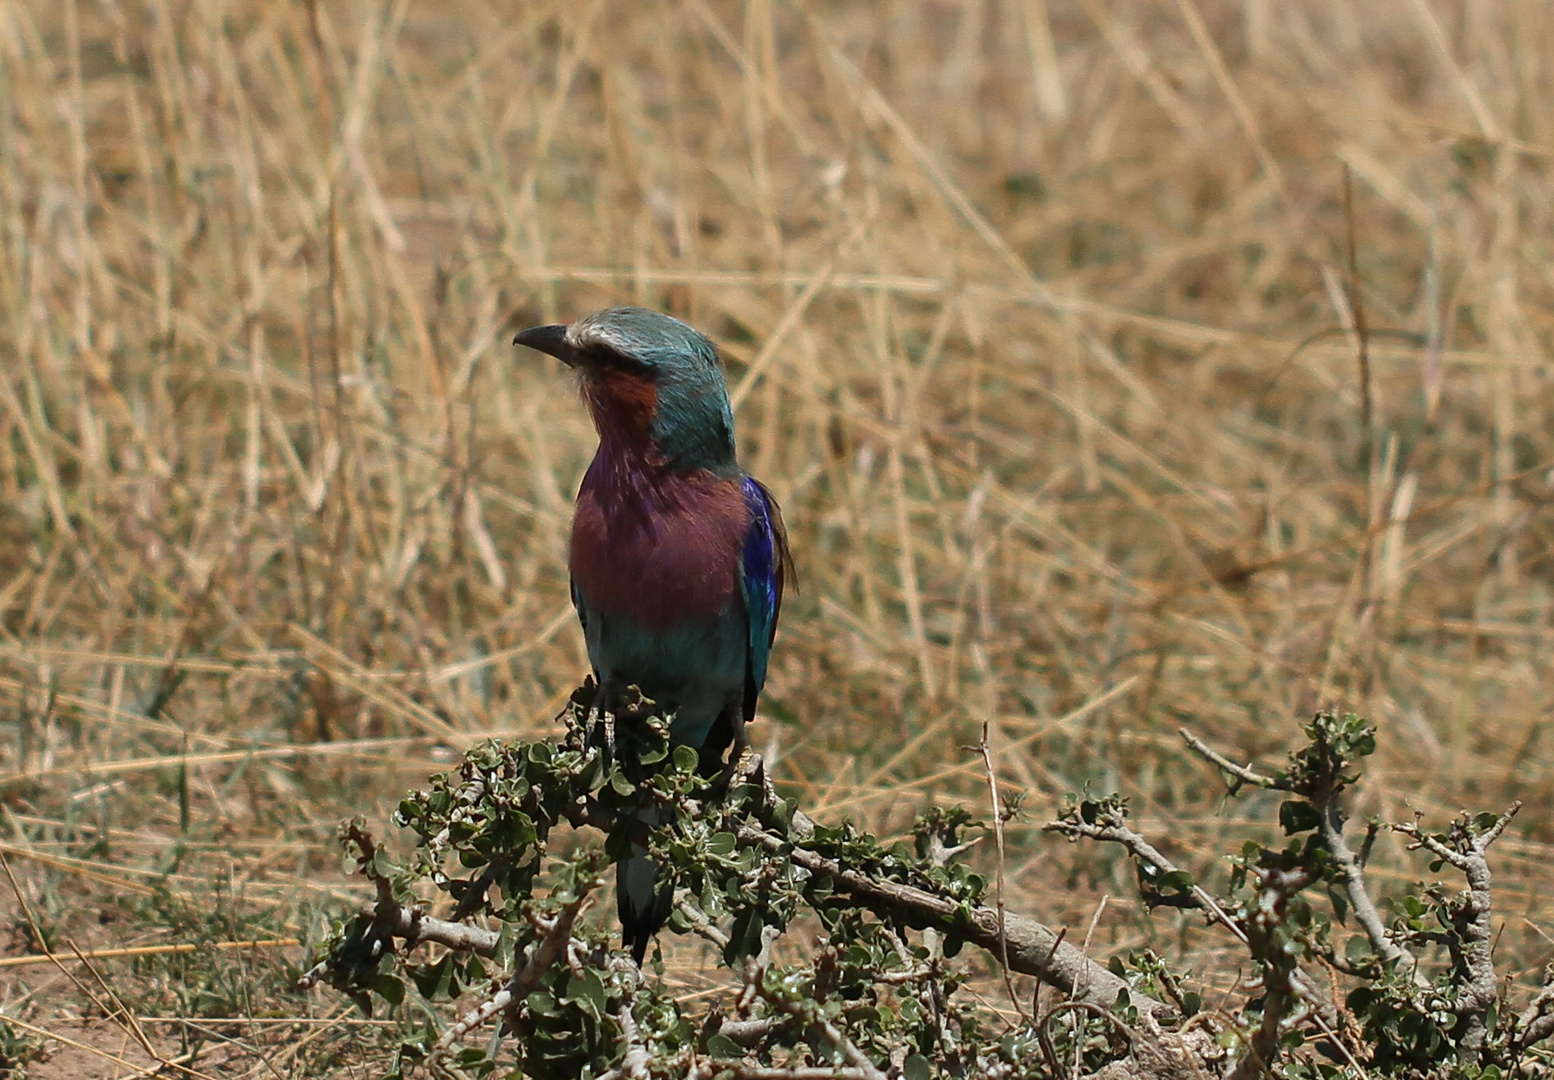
(1133, 1036)
(1032, 947)
(1352, 870)
(552, 947)
(356, 833)
(1111, 825)
(745, 1033)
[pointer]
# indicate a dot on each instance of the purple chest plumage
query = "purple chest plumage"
(658, 547)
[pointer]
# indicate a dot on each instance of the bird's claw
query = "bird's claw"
(744, 765)
(599, 730)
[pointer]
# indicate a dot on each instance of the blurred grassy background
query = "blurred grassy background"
(1040, 320)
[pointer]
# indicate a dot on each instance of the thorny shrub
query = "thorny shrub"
(825, 981)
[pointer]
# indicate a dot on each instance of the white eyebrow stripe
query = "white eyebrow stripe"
(586, 332)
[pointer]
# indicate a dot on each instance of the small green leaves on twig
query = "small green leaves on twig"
(1402, 1019)
(875, 992)
(870, 998)
(1334, 745)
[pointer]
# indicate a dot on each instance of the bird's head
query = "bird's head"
(648, 378)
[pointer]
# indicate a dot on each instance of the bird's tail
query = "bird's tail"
(642, 903)
(641, 899)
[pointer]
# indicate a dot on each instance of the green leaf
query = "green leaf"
(724, 1047)
(435, 980)
(588, 992)
(1357, 950)
(1297, 816)
(1340, 904)
(916, 1068)
(506, 946)
(389, 988)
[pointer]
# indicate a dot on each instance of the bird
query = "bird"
(678, 556)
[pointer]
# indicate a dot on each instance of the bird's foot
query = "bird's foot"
(599, 730)
(743, 766)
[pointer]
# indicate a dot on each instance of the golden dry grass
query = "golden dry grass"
(1037, 314)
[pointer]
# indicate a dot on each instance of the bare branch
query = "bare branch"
(552, 947)
(700, 924)
(635, 1064)
(746, 1033)
(1242, 773)
(1034, 948)
(1372, 827)
(1422, 839)
(1492, 834)
(473, 1019)
(366, 864)
(416, 927)
(1351, 869)
(547, 952)
(1117, 831)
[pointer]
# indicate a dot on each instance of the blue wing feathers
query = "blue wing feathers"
(762, 570)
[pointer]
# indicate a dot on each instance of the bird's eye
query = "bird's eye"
(611, 360)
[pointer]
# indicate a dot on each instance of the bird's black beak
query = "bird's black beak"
(549, 339)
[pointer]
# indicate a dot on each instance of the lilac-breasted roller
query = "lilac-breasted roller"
(677, 554)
